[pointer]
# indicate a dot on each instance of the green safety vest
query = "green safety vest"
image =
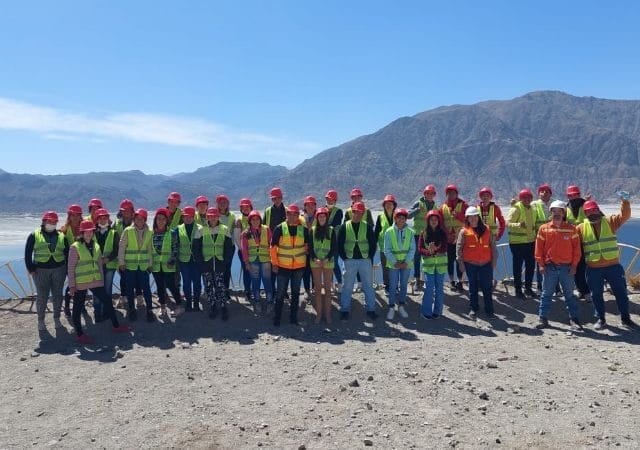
(420, 219)
(244, 223)
(322, 249)
(176, 219)
(523, 235)
(108, 248)
(400, 252)
(575, 220)
(259, 251)
(596, 249)
(120, 226)
(160, 259)
(214, 246)
(332, 214)
(490, 218)
(69, 235)
(434, 264)
(87, 269)
(228, 220)
(41, 250)
(450, 222)
(541, 214)
(201, 219)
(184, 252)
(351, 240)
(384, 225)
(137, 257)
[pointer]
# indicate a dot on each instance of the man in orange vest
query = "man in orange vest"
(453, 215)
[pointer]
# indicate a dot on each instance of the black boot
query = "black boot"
(213, 311)
(196, 305)
(188, 307)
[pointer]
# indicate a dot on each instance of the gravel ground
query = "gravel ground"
(192, 382)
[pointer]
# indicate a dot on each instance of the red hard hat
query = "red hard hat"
(389, 198)
(87, 225)
(163, 211)
(434, 212)
(451, 187)
(174, 196)
(189, 211)
(310, 199)
(322, 210)
(429, 188)
(525, 193)
(401, 212)
(275, 192)
(126, 204)
(253, 214)
(74, 209)
(95, 202)
(293, 208)
(544, 187)
(590, 205)
(221, 197)
(142, 213)
(50, 215)
(485, 190)
(358, 207)
(102, 212)
(332, 195)
(201, 199)
(213, 212)
(573, 190)
(246, 202)
(356, 192)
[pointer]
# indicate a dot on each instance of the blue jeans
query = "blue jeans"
(434, 284)
(554, 274)
(362, 267)
(108, 281)
(615, 276)
(246, 275)
(191, 281)
(398, 276)
(337, 268)
(480, 277)
(260, 272)
(137, 279)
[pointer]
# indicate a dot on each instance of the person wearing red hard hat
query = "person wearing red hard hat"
(217, 252)
(308, 219)
(491, 213)
(228, 219)
(190, 256)
(242, 225)
(175, 213)
(165, 259)
(452, 211)
(108, 239)
(383, 222)
(335, 220)
(275, 214)
(418, 213)
(356, 196)
(85, 272)
(71, 230)
(202, 204)
(45, 257)
(94, 205)
(432, 246)
(289, 248)
(124, 218)
(399, 247)
(321, 250)
(600, 249)
(135, 262)
(257, 260)
(575, 216)
(541, 205)
(357, 244)
(521, 225)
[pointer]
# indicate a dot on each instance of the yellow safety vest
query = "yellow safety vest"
(259, 251)
(596, 249)
(420, 219)
(351, 240)
(291, 249)
(575, 220)
(214, 246)
(526, 235)
(452, 224)
(161, 258)
(384, 225)
(322, 249)
(185, 252)
(490, 218)
(400, 252)
(137, 257)
(87, 269)
(41, 251)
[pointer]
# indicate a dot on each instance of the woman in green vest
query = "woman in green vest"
(190, 258)
(165, 258)
(383, 222)
(399, 248)
(107, 238)
(308, 220)
(71, 231)
(217, 252)
(84, 272)
(242, 225)
(257, 261)
(321, 251)
(432, 246)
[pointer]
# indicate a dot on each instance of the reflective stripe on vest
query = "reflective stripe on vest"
(137, 257)
(41, 250)
(575, 220)
(489, 218)
(322, 248)
(214, 246)
(185, 252)
(108, 248)
(384, 226)
(450, 222)
(523, 235)
(541, 216)
(434, 263)
(400, 253)
(244, 223)
(87, 269)
(420, 219)
(291, 249)
(259, 251)
(160, 259)
(201, 219)
(351, 240)
(596, 249)
(175, 219)
(477, 250)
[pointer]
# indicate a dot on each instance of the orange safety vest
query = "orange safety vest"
(292, 252)
(477, 250)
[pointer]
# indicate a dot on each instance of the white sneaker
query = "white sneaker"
(41, 325)
(402, 312)
(391, 314)
(57, 323)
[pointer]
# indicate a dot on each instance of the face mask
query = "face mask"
(103, 226)
(593, 217)
(49, 228)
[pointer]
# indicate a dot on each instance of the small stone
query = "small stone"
(168, 356)
(592, 424)
(483, 396)
(343, 388)
(369, 407)
(186, 345)
(347, 367)
(354, 383)
(119, 354)
(302, 447)
(370, 378)
(276, 338)
(612, 368)
(492, 365)
(368, 442)
(294, 354)
(369, 434)
(449, 434)
(93, 439)
(336, 362)
(23, 358)
(40, 414)
(498, 441)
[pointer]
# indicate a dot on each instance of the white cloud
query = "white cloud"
(162, 129)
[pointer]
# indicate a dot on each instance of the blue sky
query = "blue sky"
(167, 87)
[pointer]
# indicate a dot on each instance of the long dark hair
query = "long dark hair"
(480, 228)
(322, 232)
(438, 235)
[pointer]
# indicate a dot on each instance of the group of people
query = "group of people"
(286, 247)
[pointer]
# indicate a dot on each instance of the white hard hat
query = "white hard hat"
(471, 211)
(558, 204)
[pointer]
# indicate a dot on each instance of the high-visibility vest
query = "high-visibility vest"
(161, 258)
(108, 248)
(41, 250)
(201, 219)
(185, 251)
(321, 248)
(476, 249)
(384, 225)
(575, 220)
(595, 249)
(400, 251)
(541, 213)
(228, 219)
(420, 219)
(351, 240)
(87, 269)
(489, 218)
(175, 219)
(244, 223)
(267, 217)
(120, 226)
(434, 263)
(69, 235)
(137, 257)
(259, 251)
(452, 224)
(523, 235)
(214, 246)
(366, 216)
(332, 213)
(291, 249)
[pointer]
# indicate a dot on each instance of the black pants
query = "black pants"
(581, 277)
(213, 275)
(284, 277)
(164, 281)
(417, 263)
(227, 271)
(523, 254)
(451, 260)
(78, 305)
(385, 272)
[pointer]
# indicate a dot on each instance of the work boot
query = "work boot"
(600, 324)
(225, 313)
(575, 324)
(626, 321)
(519, 294)
(133, 315)
(196, 305)
(542, 323)
(529, 293)
(188, 306)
